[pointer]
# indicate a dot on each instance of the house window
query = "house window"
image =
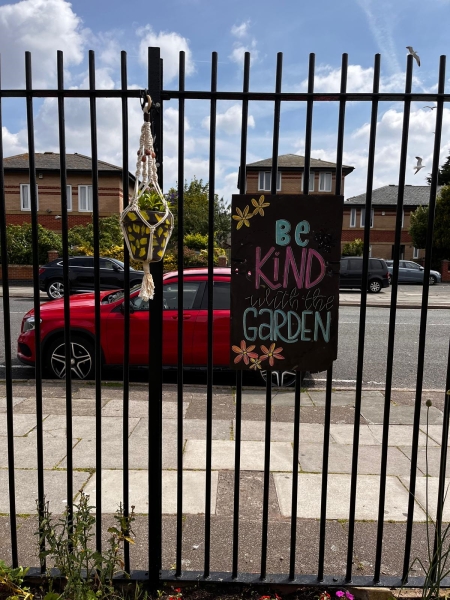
(324, 182)
(69, 197)
(363, 217)
(403, 217)
(353, 217)
(311, 181)
(25, 198)
(416, 253)
(85, 198)
(264, 181)
(370, 251)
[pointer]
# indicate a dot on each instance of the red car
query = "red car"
(82, 322)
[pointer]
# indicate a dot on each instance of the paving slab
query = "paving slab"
(114, 408)
(16, 400)
(434, 434)
(85, 427)
(280, 432)
(192, 429)
(278, 398)
(55, 485)
(400, 435)
(402, 415)
(22, 424)
(57, 406)
(25, 452)
(434, 460)
(84, 454)
(345, 397)
(367, 496)
(252, 455)
(223, 407)
(343, 434)
(432, 494)
(193, 491)
(340, 459)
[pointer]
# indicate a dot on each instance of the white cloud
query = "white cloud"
(41, 27)
(171, 44)
(230, 121)
(228, 187)
(14, 143)
(241, 30)
(237, 54)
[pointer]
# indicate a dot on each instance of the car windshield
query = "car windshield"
(120, 263)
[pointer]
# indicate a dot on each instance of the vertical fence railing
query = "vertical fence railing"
(392, 322)
(155, 89)
(423, 315)
(8, 357)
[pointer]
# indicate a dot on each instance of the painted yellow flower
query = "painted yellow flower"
(255, 363)
(242, 217)
(259, 206)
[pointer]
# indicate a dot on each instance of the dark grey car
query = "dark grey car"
(81, 275)
(351, 274)
(411, 272)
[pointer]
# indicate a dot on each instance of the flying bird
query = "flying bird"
(414, 53)
(419, 165)
(432, 107)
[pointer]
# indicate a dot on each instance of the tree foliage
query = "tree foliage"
(355, 248)
(443, 174)
(441, 236)
(110, 234)
(19, 240)
(196, 203)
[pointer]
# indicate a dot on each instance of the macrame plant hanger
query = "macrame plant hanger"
(146, 232)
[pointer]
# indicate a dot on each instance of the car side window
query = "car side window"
(138, 303)
(190, 291)
(221, 296)
(412, 265)
(355, 265)
(106, 264)
(344, 263)
(375, 264)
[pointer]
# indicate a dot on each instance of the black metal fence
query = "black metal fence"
(277, 97)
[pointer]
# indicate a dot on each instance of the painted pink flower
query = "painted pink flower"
(244, 353)
(271, 354)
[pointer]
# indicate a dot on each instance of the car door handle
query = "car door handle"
(185, 317)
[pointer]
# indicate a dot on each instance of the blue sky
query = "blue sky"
(327, 27)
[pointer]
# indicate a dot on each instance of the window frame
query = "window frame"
(416, 253)
(87, 187)
(363, 216)
(69, 198)
(269, 173)
(321, 180)
(353, 217)
(28, 188)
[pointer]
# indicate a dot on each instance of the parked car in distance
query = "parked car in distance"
(351, 274)
(411, 272)
(82, 321)
(81, 275)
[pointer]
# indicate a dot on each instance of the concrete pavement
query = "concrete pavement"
(409, 296)
(223, 448)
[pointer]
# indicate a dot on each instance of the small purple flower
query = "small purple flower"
(340, 594)
(350, 596)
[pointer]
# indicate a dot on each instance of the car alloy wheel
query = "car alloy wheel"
(55, 290)
(280, 378)
(432, 279)
(81, 359)
(374, 286)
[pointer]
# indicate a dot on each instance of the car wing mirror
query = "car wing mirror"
(422, 269)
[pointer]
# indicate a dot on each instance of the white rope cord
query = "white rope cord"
(146, 177)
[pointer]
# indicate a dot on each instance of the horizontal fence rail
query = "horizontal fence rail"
(156, 570)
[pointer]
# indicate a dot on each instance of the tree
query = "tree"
(196, 202)
(441, 234)
(110, 235)
(354, 248)
(19, 242)
(443, 174)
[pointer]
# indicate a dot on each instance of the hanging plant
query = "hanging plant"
(147, 222)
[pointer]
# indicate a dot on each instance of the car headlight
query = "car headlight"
(29, 324)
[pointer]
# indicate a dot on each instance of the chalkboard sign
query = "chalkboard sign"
(285, 259)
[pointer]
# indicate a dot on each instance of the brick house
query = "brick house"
(290, 175)
(384, 210)
(79, 189)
